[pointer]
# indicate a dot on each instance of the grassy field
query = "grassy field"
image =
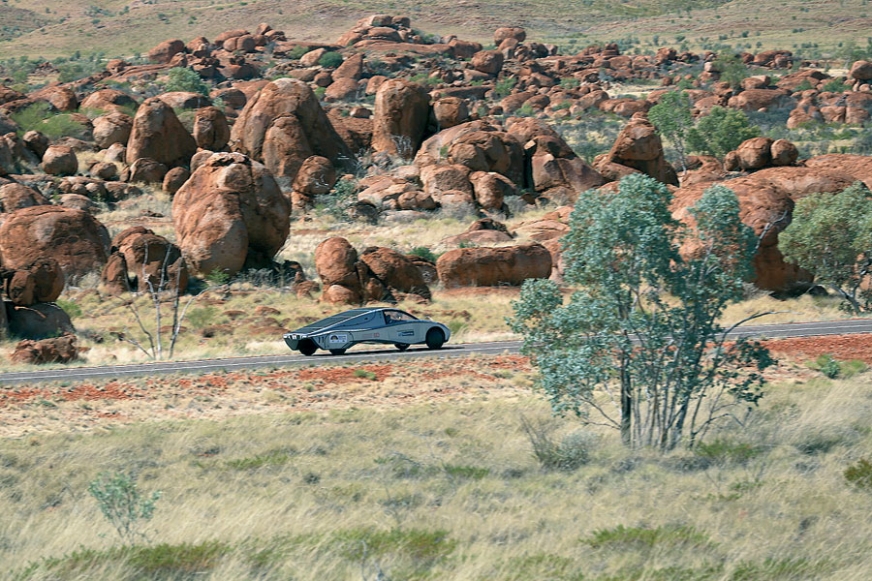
(453, 490)
(115, 27)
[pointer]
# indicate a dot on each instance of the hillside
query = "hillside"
(118, 28)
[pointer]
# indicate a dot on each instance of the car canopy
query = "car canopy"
(332, 321)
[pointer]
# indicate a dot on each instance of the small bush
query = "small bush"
(297, 52)
(504, 86)
(277, 457)
(70, 308)
(466, 472)
(424, 252)
(860, 474)
(571, 453)
(365, 374)
(330, 60)
(122, 504)
(722, 451)
(183, 79)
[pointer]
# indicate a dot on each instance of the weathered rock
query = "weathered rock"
(14, 196)
(184, 100)
(638, 146)
(489, 62)
(283, 125)
(55, 350)
(164, 52)
(438, 179)
(335, 260)
(211, 130)
(112, 128)
(75, 239)
(861, 70)
(754, 153)
(491, 189)
(159, 135)
(757, 99)
(36, 142)
(60, 160)
(857, 166)
(783, 153)
(147, 170)
(508, 265)
(103, 171)
(402, 111)
(175, 179)
(38, 321)
(151, 262)
(108, 100)
(450, 112)
(396, 272)
(229, 214)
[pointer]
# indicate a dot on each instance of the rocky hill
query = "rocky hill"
(248, 128)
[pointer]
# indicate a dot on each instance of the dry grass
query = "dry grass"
(452, 491)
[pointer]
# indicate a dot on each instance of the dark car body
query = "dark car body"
(367, 325)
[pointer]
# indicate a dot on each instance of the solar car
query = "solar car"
(367, 325)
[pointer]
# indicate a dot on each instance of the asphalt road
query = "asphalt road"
(369, 353)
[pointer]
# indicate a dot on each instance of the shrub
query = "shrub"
(69, 307)
(860, 474)
(424, 252)
(572, 452)
(122, 504)
(297, 52)
(643, 537)
(182, 79)
(504, 86)
(722, 451)
(365, 374)
(330, 60)
(39, 117)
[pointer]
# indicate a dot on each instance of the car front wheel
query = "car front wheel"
(435, 338)
(307, 347)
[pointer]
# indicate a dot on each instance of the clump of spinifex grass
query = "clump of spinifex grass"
(454, 491)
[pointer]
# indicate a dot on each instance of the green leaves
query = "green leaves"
(122, 504)
(831, 236)
(638, 342)
(720, 132)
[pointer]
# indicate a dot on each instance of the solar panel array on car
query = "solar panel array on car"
(330, 321)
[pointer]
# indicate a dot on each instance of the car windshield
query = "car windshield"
(398, 317)
(332, 320)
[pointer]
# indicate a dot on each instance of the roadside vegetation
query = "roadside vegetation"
(488, 486)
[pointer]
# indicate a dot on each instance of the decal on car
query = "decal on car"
(335, 338)
(406, 334)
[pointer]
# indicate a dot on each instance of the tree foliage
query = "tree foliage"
(831, 236)
(638, 345)
(672, 118)
(720, 132)
(122, 503)
(187, 80)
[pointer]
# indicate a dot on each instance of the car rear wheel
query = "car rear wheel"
(401, 346)
(337, 351)
(435, 338)
(307, 347)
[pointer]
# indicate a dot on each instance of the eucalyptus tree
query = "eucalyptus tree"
(638, 344)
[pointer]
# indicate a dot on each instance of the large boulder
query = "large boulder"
(107, 100)
(41, 282)
(402, 111)
(112, 128)
(60, 160)
(282, 125)
(230, 214)
(14, 196)
(508, 265)
(211, 130)
(74, 238)
(857, 166)
(396, 271)
(335, 263)
(159, 135)
(639, 147)
(766, 201)
(38, 321)
(152, 262)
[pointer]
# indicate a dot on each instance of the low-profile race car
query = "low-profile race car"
(367, 325)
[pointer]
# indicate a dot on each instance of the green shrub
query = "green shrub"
(330, 60)
(122, 504)
(364, 374)
(572, 452)
(168, 561)
(70, 308)
(424, 252)
(297, 52)
(643, 537)
(277, 457)
(183, 79)
(39, 117)
(504, 86)
(466, 472)
(860, 474)
(722, 451)
(201, 316)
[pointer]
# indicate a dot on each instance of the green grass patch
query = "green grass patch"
(277, 457)
(647, 538)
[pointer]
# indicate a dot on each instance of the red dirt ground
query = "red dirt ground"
(72, 407)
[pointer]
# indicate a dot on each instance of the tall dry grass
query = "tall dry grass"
(452, 491)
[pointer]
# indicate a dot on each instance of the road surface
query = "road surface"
(371, 353)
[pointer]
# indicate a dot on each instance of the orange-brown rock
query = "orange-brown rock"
(438, 179)
(396, 272)
(507, 265)
(336, 265)
(450, 112)
(211, 129)
(491, 189)
(230, 214)
(283, 125)
(60, 97)
(783, 152)
(55, 350)
(75, 239)
(175, 179)
(146, 170)
(14, 196)
(108, 100)
(159, 135)
(757, 99)
(402, 111)
(152, 262)
(165, 51)
(858, 167)
(41, 282)
(754, 153)
(638, 146)
(489, 62)
(112, 128)
(60, 160)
